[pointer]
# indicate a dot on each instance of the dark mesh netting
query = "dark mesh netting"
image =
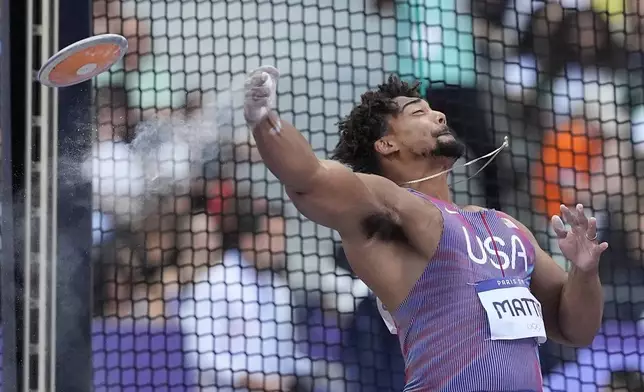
(1, 236)
(207, 278)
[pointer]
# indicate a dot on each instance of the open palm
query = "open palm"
(579, 244)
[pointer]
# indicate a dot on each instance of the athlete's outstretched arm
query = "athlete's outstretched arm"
(326, 192)
(572, 303)
(288, 155)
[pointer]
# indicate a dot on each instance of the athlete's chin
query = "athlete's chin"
(451, 149)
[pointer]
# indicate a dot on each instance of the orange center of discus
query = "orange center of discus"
(87, 61)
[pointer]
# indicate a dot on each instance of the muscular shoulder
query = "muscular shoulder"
(521, 227)
(385, 189)
(374, 205)
(388, 193)
(407, 208)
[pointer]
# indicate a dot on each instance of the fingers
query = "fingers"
(257, 90)
(558, 226)
(263, 74)
(268, 80)
(260, 84)
(579, 222)
(591, 231)
(567, 215)
(575, 218)
(270, 70)
(260, 92)
(256, 100)
(257, 80)
(597, 249)
(260, 95)
(601, 248)
(581, 225)
(582, 220)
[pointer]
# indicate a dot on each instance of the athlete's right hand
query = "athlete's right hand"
(260, 94)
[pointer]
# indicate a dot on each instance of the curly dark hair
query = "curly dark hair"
(367, 123)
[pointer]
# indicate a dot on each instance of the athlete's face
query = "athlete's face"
(418, 131)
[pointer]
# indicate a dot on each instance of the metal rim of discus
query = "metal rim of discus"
(82, 60)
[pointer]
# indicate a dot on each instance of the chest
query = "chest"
(487, 243)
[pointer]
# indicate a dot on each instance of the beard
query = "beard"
(453, 149)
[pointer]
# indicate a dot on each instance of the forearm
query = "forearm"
(581, 307)
(287, 154)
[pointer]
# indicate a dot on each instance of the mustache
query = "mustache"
(445, 130)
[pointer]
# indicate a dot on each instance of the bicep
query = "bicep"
(340, 199)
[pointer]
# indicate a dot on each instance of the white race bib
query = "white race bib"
(512, 311)
(386, 317)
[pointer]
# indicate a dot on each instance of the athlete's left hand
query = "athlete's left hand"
(579, 244)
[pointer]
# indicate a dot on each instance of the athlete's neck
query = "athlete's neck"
(435, 187)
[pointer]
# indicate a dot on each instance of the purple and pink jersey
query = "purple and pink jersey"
(442, 326)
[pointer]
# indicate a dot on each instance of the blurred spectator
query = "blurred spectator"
(112, 105)
(626, 21)
(147, 86)
(313, 272)
(371, 353)
(117, 17)
(571, 154)
(588, 34)
(262, 240)
(308, 262)
(140, 269)
(136, 343)
(558, 35)
(116, 175)
(237, 316)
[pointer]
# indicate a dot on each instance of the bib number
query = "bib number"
(512, 311)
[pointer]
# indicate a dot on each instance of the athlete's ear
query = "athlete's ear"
(386, 145)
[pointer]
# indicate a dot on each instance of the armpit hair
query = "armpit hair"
(384, 227)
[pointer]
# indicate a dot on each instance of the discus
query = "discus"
(83, 60)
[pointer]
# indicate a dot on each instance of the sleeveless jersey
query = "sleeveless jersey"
(442, 327)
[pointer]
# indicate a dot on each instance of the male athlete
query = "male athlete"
(470, 291)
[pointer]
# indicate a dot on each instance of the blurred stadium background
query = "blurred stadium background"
(207, 278)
